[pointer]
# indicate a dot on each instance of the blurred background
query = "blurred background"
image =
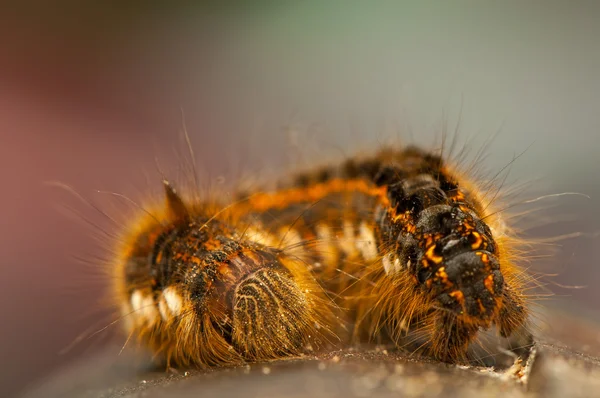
(91, 94)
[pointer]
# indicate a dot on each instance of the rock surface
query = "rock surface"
(551, 370)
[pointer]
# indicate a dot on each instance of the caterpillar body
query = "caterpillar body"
(394, 245)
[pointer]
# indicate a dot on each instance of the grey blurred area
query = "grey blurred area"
(92, 95)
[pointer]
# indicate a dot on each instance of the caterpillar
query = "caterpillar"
(395, 245)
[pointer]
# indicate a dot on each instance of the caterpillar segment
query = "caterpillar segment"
(197, 287)
(406, 246)
(329, 226)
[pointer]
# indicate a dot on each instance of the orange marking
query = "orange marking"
(152, 236)
(458, 296)
(252, 256)
(212, 244)
(225, 270)
(489, 283)
(432, 256)
(485, 258)
(481, 307)
(184, 257)
(478, 240)
(468, 227)
(464, 208)
(282, 199)
(402, 217)
(458, 196)
(441, 274)
(428, 241)
(195, 260)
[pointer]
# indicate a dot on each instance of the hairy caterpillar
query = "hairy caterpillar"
(393, 245)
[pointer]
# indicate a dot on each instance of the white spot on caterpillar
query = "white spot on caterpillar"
(451, 243)
(366, 242)
(174, 301)
(387, 264)
(346, 243)
(136, 301)
(261, 237)
(148, 309)
(323, 232)
(143, 306)
(162, 308)
(389, 267)
(290, 237)
(291, 241)
(326, 246)
(498, 227)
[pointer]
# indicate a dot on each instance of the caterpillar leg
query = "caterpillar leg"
(450, 337)
(512, 322)
(513, 314)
